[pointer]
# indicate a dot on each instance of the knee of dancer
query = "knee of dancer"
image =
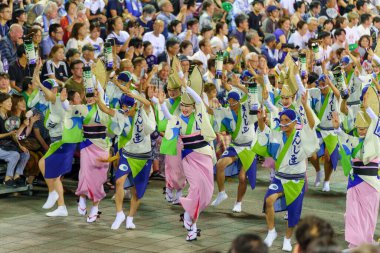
(270, 201)
(13, 156)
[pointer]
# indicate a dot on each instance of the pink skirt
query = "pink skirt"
(198, 170)
(362, 208)
(175, 177)
(92, 173)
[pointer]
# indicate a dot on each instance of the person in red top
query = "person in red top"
(68, 21)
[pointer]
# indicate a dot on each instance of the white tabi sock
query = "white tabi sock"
(120, 217)
(82, 202)
(130, 224)
(287, 245)
(271, 236)
(50, 202)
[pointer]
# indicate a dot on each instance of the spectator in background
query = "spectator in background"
(270, 24)
(255, 18)
(71, 55)
(19, 17)
(68, 21)
(208, 8)
(5, 17)
(248, 243)
(220, 39)
(325, 245)
(166, 16)
(252, 44)
(172, 49)
(283, 32)
(156, 38)
(206, 33)
(270, 50)
(174, 29)
(94, 38)
(312, 28)
(115, 27)
(241, 22)
(19, 69)
(49, 17)
(56, 67)
(5, 86)
(314, 10)
(55, 37)
(191, 34)
(203, 54)
(298, 38)
(186, 48)
(365, 25)
(115, 8)
(77, 37)
(9, 43)
(299, 8)
(352, 33)
(27, 88)
(75, 82)
(146, 19)
(340, 39)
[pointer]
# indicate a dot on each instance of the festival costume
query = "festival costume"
(196, 132)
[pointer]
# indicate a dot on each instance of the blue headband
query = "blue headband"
(50, 83)
(126, 100)
(291, 114)
(233, 95)
(125, 76)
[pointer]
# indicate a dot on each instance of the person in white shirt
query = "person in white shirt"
(203, 54)
(156, 38)
(50, 16)
(340, 39)
(325, 46)
(95, 40)
(298, 38)
(312, 26)
(116, 26)
(364, 28)
(288, 7)
(352, 34)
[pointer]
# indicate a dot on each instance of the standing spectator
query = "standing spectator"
(77, 37)
(55, 37)
(48, 17)
(8, 44)
(314, 10)
(270, 23)
(55, 67)
(299, 8)
(156, 38)
(5, 16)
(270, 50)
(206, 33)
(75, 82)
(203, 54)
(172, 49)
(19, 69)
(241, 22)
(146, 19)
(252, 44)
(255, 17)
(68, 21)
(191, 33)
(166, 15)
(208, 8)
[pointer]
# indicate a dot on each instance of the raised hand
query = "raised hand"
(161, 97)
(304, 98)
(63, 95)
(335, 120)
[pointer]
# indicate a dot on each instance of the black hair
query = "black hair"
(240, 19)
(314, 4)
(184, 44)
(70, 95)
(172, 25)
(297, 5)
(300, 24)
(20, 51)
(136, 42)
(323, 244)
(191, 22)
(360, 4)
(25, 83)
(376, 20)
(75, 62)
(67, 5)
(365, 17)
(53, 28)
(171, 42)
(4, 96)
(3, 6)
(338, 32)
(218, 27)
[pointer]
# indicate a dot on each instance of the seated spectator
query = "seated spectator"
(8, 45)
(5, 86)
(19, 17)
(220, 39)
(5, 17)
(208, 8)
(172, 49)
(115, 27)
(27, 88)
(366, 248)
(298, 38)
(36, 33)
(191, 34)
(94, 38)
(88, 55)
(242, 27)
(156, 38)
(270, 24)
(71, 55)
(75, 82)
(146, 19)
(203, 54)
(11, 151)
(137, 44)
(95, 13)
(77, 37)
(56, 67)
(186, 48)
(175, 29)
(309, 229)
(270, 50)
(68, 21)
(115, 8)
(282, 33)
(248, 243)
(166, 15)
(48, 18)
(19, 69)
(160, 80)
(206, 33)
(55, 37)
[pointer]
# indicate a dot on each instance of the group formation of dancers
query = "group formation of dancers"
(298, 120)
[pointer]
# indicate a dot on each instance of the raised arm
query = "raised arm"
(49, 95)
(164, 108)
(102, 106)
(332, 86)
(309, 113)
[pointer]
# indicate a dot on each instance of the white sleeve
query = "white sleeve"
(165, 111)
(65, 105)
(371, 113)
(194, 95)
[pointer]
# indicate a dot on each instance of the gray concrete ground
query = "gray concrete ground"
(25, 228)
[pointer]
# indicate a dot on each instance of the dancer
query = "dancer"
(133, 125)
(290, 148)
(174, 175)
(194, 128)
(363, 194)
(240, 123)
(324, 101)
